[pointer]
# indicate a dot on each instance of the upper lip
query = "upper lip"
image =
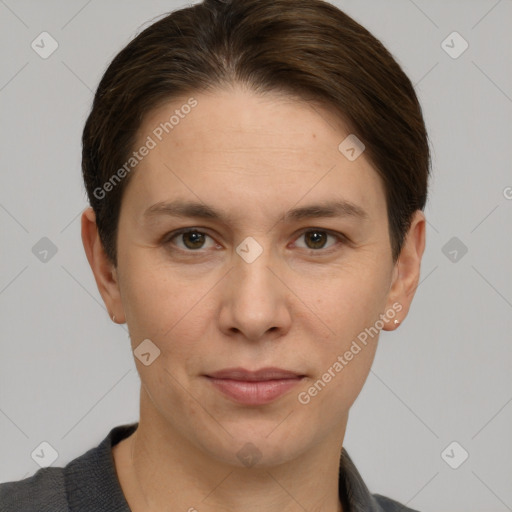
(270, 373)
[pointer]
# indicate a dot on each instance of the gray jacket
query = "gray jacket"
(89, 484)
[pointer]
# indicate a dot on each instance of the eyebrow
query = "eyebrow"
(179, 208)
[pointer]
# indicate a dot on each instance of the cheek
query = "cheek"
(347, 310)
(153, 298)
(344, 359)
(350, 300)
(168, 309)
(340, 392)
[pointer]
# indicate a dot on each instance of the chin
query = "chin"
(259, 447)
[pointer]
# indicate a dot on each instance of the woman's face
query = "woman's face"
(257, 286)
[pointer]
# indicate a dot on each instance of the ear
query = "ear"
(406, 273)
(104, 271)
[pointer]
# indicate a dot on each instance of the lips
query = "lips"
(255, 376)
(254, 387)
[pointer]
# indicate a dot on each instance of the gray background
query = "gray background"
(66, 371)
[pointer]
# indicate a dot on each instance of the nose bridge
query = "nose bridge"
(255, 300)
(251, 273)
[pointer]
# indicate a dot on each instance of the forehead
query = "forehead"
(236, 147)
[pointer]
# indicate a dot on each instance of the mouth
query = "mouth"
(254, 387)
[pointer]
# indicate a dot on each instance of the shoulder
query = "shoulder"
(44, 491)
(88, 483)
(358, 496)
(388, 505)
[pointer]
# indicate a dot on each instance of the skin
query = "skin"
(298, 306)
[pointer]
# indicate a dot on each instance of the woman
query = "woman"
(257, 172)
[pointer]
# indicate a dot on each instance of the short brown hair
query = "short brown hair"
(306, 48)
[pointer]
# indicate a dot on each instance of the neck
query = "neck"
(162, 471)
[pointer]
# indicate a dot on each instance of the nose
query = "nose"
(255, 300)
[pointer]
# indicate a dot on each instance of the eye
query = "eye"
(317, 238)
(191, 239)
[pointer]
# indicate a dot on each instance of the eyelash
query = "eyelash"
(340, 237)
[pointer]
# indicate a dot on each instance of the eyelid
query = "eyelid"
(166, 239)
(340, 237)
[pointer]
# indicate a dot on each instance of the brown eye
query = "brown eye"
(193, 239)
(190, 240)
(317, 239)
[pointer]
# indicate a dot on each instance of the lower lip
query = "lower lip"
(254, 393)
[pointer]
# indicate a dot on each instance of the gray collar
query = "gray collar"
(92, 484)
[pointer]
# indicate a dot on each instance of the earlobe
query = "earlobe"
(105, 273)
(406, 273)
